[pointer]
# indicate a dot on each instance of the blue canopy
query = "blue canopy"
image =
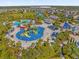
(66, 25)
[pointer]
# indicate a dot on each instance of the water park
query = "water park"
(28, 31)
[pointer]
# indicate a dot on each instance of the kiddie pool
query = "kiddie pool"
(32, 37)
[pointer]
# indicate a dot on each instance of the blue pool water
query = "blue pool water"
(33, 36)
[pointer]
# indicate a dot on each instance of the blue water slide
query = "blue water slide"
(33, 36)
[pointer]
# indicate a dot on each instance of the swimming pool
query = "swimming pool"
(32, 37)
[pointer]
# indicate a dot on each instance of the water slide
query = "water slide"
(33, 36)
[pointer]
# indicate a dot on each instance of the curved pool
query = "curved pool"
(32, 37)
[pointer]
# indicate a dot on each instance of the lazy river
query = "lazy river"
(32, 37)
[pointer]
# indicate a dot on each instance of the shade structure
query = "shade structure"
(66, 25)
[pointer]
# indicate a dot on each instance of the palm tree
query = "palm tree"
(71, 50)
(61, 39)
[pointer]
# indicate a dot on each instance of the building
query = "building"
(53, 17)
